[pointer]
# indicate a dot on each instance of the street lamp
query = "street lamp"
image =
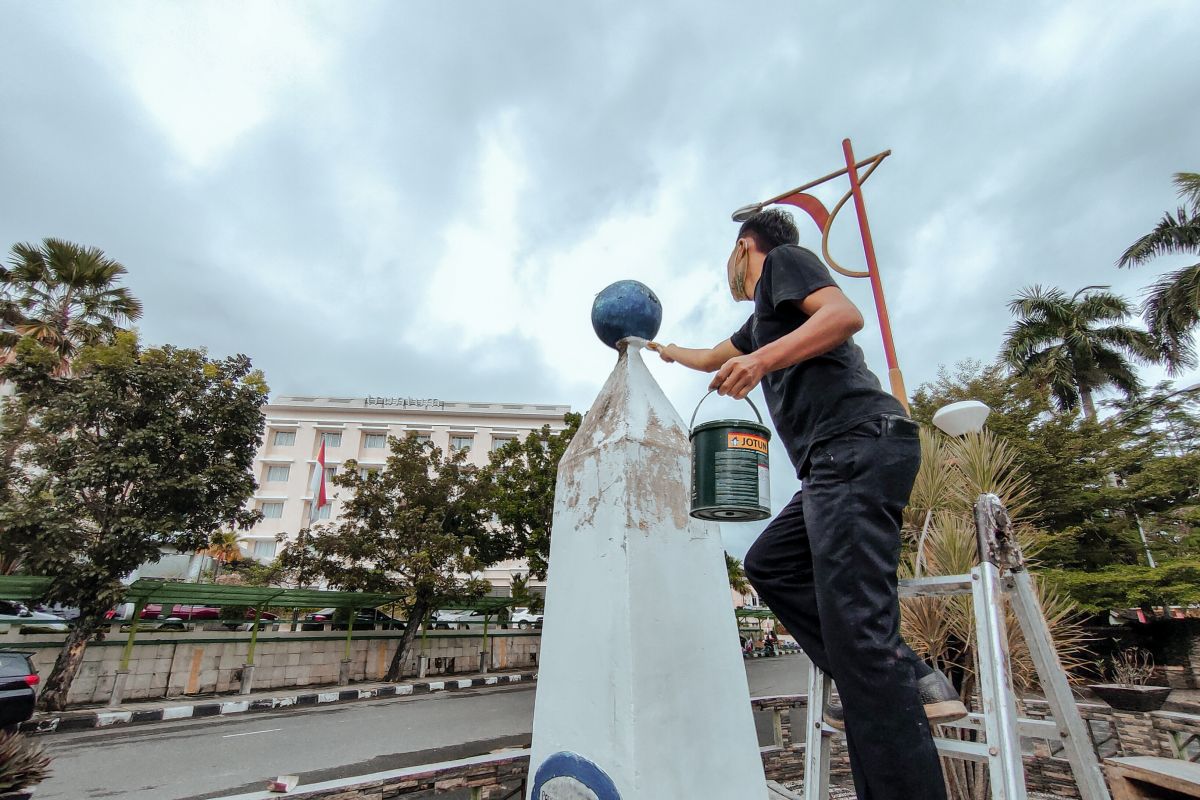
(824, 220)
(961, 418)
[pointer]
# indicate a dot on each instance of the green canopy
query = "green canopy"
(22, 587)
(154, 590)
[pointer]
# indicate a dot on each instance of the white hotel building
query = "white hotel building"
(358, 428)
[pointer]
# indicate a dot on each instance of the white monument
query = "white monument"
(642, 691)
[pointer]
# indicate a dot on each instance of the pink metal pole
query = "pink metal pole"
(895, 377)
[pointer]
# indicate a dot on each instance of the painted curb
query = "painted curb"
(777, 655)
(87, 720)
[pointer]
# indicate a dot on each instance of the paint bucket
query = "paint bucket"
(731, 476)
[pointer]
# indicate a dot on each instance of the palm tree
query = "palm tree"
(1172, 305)
(223, 546)
(737, 575)
(1065, 345)
(63, 295)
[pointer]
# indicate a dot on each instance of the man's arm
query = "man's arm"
(707, 359)
(832, 319)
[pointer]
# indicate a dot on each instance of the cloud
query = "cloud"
(395, 198)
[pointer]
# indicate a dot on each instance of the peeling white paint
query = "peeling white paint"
(640, 670)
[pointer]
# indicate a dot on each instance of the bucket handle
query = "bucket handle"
(692, 424)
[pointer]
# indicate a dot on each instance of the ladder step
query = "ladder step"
(956, 748)
(1032, 728)
(936, 586)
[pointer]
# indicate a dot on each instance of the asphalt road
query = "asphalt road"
(211, 758)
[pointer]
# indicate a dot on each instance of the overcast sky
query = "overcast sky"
(423, 199)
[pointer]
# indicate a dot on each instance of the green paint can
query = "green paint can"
(731, 475)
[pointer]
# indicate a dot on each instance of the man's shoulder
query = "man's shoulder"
(793, 253)
(793, 272)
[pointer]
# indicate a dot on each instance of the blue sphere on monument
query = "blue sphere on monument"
(626, 308)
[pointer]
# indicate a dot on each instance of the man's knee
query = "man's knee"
(755, 565)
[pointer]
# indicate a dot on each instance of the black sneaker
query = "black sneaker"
(942, 703)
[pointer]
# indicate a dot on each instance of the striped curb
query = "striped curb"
(86, 720)
(778, 653)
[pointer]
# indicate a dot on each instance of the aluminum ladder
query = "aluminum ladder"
(1001, 572)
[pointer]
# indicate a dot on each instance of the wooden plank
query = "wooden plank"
(1130, 775)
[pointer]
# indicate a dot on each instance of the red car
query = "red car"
(189, 613)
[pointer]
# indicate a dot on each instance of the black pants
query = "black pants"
(826, 566)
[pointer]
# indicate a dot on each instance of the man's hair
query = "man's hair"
(770, 228)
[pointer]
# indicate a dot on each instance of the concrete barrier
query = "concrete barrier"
(181, 663)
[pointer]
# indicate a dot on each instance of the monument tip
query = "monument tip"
(635, 342)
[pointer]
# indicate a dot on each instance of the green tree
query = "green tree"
(1075, 346)
(1172, 306)
(417, 526)
(1133, 586)
(737, 575)
(137, 450)
(65, 296)
(522, 475)
(1088, 480)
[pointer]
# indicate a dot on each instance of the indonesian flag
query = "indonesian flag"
(319, 498)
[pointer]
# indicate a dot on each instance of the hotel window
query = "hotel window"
(422, 436)
(363, 472)
(500, 441)
(332, 439)
(375, 441)
(461, 442)
(324, 511)
(264, 549)
(278, 473)
(285, 438)
(272, 510)
(329, 473)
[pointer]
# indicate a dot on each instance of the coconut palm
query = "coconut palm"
(1078, 345)
(63, 295)
(223, 546)
(737, 575)
(1172, 305)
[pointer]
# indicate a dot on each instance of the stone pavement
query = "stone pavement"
(166, 709)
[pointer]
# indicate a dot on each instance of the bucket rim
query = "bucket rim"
(730, 423)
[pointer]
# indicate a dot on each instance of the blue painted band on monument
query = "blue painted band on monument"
(579, 770)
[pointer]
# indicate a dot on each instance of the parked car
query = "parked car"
(524, 619)
(14, 613)
(364, 619)
(17, 679)
(462, 619)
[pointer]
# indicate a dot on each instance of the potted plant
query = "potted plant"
(1133, 669)
(22, 766)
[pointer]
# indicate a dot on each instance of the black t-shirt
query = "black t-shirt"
(826, 395)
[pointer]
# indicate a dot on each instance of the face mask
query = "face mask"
(737, 266)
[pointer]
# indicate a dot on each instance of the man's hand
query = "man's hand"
(662, 350)
(738, 376)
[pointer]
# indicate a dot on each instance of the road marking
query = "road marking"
(251, 733)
